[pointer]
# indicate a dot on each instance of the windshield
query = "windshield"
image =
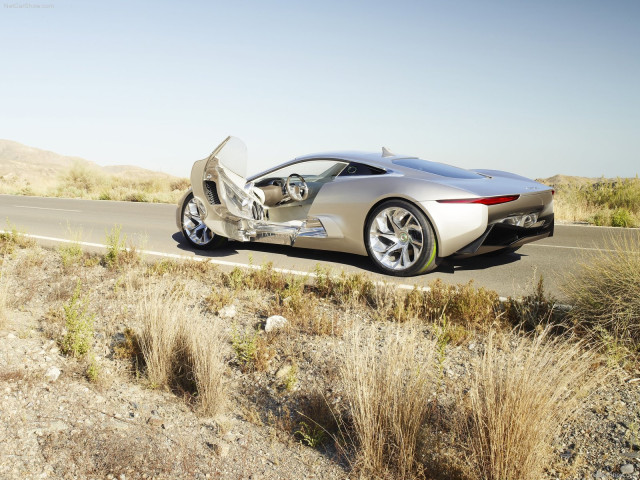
(436, 168)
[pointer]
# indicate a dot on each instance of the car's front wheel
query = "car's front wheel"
(194, 229)
(400, 240)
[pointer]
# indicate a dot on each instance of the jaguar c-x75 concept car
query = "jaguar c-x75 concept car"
(405, 213)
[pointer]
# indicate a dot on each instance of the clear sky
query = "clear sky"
(536, 87)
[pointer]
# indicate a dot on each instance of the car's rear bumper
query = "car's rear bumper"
(501, 235)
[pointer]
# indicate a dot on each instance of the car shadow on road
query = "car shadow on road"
(319, 256)
(481, 262)
(448, 266)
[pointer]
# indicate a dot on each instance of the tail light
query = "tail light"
(484, 200)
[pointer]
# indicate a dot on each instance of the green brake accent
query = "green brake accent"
(433, 255)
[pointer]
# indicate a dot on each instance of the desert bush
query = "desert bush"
(82, 178)
(79, 322)
(605, 291)
(606, 202)
(181, 184)
(523, 391)
(387, 381)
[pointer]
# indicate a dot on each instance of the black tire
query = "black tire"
(214, 241)
(407, 239)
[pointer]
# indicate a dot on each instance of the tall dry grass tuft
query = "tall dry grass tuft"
(4, 294)
(605, 292)
(180, 349)
(387, 381)
(161, 315)
(207, 346)
(522, 392)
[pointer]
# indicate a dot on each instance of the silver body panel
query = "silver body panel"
(335, 214)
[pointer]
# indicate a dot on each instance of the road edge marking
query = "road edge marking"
(215, 261)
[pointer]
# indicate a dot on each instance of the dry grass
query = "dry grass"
(180, 350)
(82, 181)
(387, 381)
(523, 391)
(4, 293)
(161, 316)
(605, 294)
(603, 202)
(207, 347)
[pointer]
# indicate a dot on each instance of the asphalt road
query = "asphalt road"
(152, 227)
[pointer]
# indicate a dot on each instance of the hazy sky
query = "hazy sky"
(536, 87)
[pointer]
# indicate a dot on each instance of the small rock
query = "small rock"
(283, 372)
(52, 374)
(227, 312)
(221, 449)
(275, 322)
(154, 420)
(626, 469)
(11, 335)
(600, 474)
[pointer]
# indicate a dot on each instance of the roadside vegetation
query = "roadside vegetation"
(445, 382)
(603, 202)
(81, 181)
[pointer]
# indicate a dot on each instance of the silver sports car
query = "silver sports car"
(405, 213)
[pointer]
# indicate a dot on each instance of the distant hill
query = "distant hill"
(557, 180)
(21, 162)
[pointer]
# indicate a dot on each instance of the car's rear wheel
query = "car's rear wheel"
(400, 240)
(194, 229)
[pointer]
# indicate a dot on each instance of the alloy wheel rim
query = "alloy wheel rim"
(194, 226)
(396, 238)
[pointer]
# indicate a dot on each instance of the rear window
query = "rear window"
(436, 168)
(359, 169)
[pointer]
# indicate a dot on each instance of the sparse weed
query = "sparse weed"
(71, 253)
(218, 299)
(291, 379)
(93, 370)
(535, 311)
(311, 434)
(11, 238)
(245, 346)
(79, 326)
(118, 254)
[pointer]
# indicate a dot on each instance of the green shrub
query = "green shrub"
(622, 218)
(79, 325)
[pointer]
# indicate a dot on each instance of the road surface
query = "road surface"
(151, 227)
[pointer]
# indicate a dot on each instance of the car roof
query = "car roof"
(369, 158)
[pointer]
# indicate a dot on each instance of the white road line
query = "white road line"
(595, 249)
(45, 208)
(214, 261)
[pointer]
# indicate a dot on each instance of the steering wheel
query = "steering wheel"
(297, 191)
